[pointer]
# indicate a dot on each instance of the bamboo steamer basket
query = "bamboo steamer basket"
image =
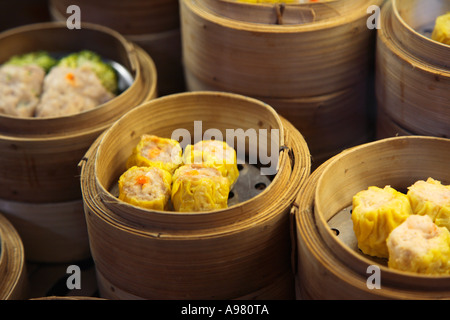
(153, 25)
(326, 259)
(238, 252)
(311, 62)
(413, 72)
(40, 156)
(50, 232)
(311, 54)
(13, 277)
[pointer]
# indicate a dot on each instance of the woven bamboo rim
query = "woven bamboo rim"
(41, 154)
(50, 232)
(266, 60)
(148, 242)
(13, 278)
(398, 161)
(412, 72)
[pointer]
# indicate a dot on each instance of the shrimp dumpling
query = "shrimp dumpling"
(431, 198)
(419, 245)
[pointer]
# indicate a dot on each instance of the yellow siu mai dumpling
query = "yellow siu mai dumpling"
(419, 245)
(146, 187)
(375, 213)
(215, 153)
(441, 31)
(197, 187)
(431, 198)
(155, 151)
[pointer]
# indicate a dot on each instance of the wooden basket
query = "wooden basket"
(413, 71)
(241, 251)
(311, 62)
(40, 156)
(325, 259)
(153, 25)
(13, 277)
(266, 60)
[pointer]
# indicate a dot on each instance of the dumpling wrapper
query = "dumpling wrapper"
(197, 187)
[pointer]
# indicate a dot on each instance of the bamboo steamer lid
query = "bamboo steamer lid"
(40, 157)
(239, 47)
(325, 259)
(238, 252)
(412, 72)
(13, 277)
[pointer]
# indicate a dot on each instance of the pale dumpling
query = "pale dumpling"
(431, 198)
(419, 245)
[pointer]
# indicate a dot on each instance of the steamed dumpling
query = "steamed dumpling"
(418, 245)
(155, 151)
(214, 153)
(431, 198)
(198, 187)
(376, 212)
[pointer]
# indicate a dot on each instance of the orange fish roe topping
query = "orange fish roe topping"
(142, 180)
(153, 153)
(70, 77)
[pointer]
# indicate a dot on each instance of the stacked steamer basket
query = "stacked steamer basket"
(154, 25)
(328, 262)
(39, 175)
(241, 252)
(13, 279)
(310, 61)
(412, 71)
